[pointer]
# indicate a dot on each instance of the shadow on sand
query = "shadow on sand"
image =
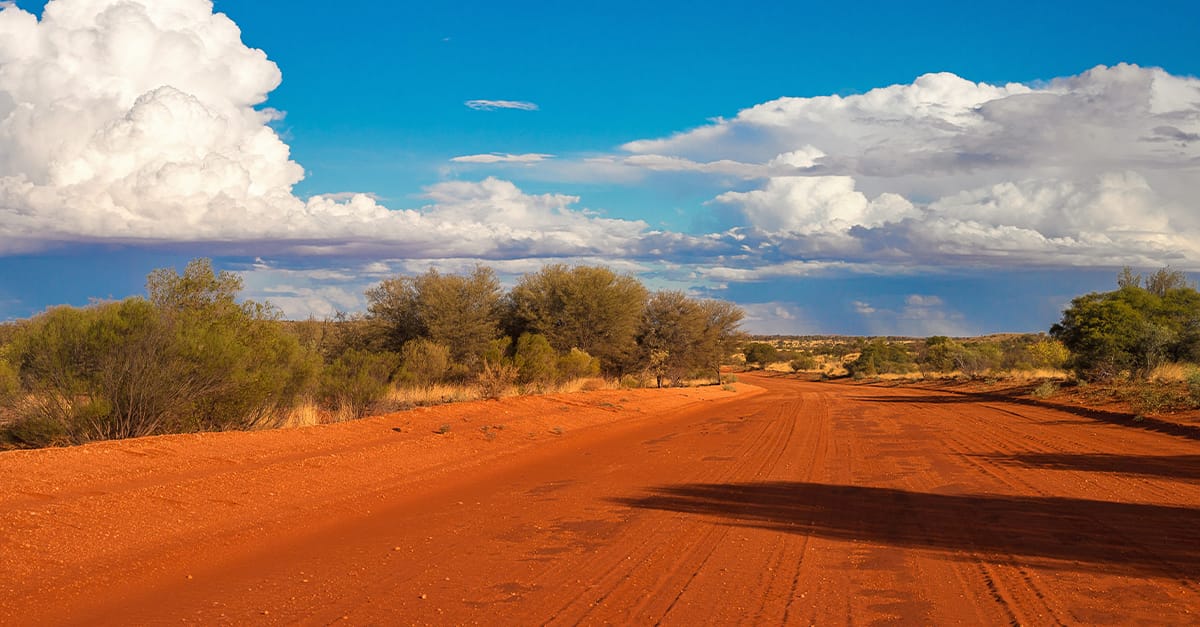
(1167, 427)
(1167, 466)
(1053, 532)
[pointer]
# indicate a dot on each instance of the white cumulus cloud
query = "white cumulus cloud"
(1101, 168)
(141, 121)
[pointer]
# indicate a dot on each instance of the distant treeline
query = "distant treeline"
(891, 355)
(1128, 333)
(191, 357)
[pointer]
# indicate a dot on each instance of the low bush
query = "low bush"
(882, 357)
(1193, 386)
(803, 361)
(354, 382)
(10, 383)
(1151, 399)
(423, 364)
(1045, 390)
(496, 379)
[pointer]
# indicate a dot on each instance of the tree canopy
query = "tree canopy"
(1132, 329)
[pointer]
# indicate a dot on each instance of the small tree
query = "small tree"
(760, 353)
(461, 313)
(585, 307)
(1132, 330)
(672, 335)
(722, 334)
(882, 357)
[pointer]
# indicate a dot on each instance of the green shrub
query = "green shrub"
(189, 358)
(577, 364)
(1132, 329)
(760, 353)
(881, 357)
(357, 380)
(535, 360)
(10, 383)
(423, 364)
(1150, 399)
(1193, 386)
(1046, 389)
(803, 362)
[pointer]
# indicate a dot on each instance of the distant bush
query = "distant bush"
(882, 357)
(632, 382)
(803, 362)
(760, 353)
(1048, 353)
(942, 354)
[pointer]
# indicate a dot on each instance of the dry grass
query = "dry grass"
(1172, 373)
(1037, 374)
(433, 395)
(305, 414)
(909, 376)
(402, 397)
(1008, 376)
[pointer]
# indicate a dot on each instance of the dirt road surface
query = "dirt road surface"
(785, 503)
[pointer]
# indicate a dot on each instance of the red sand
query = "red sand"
(787, 502)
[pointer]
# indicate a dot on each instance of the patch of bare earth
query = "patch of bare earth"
(789, 502)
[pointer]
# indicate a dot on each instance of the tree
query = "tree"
(198, 289)
(1165, 280)
(1132, 329)
(585, 307)
(672, 335)
(461, 313)
(882, 357)
(722, 334)
(760, 353)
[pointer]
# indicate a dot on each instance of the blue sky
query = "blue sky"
(864, 168)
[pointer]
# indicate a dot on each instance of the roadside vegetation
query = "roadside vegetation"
(1136, 346)
(191, 356)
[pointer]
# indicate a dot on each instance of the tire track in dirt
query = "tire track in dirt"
(988, 429)
(806, 503)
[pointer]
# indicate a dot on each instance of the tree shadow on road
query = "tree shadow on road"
(1167, 466)
(1053, 532)
(1157, 425)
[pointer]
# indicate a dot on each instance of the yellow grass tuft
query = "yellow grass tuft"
(1172, 373)
(305, 414)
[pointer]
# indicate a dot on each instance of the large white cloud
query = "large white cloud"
(144, 121)
(1095, 169)
(136, 120)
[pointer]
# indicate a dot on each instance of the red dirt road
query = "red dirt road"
(787, 503)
